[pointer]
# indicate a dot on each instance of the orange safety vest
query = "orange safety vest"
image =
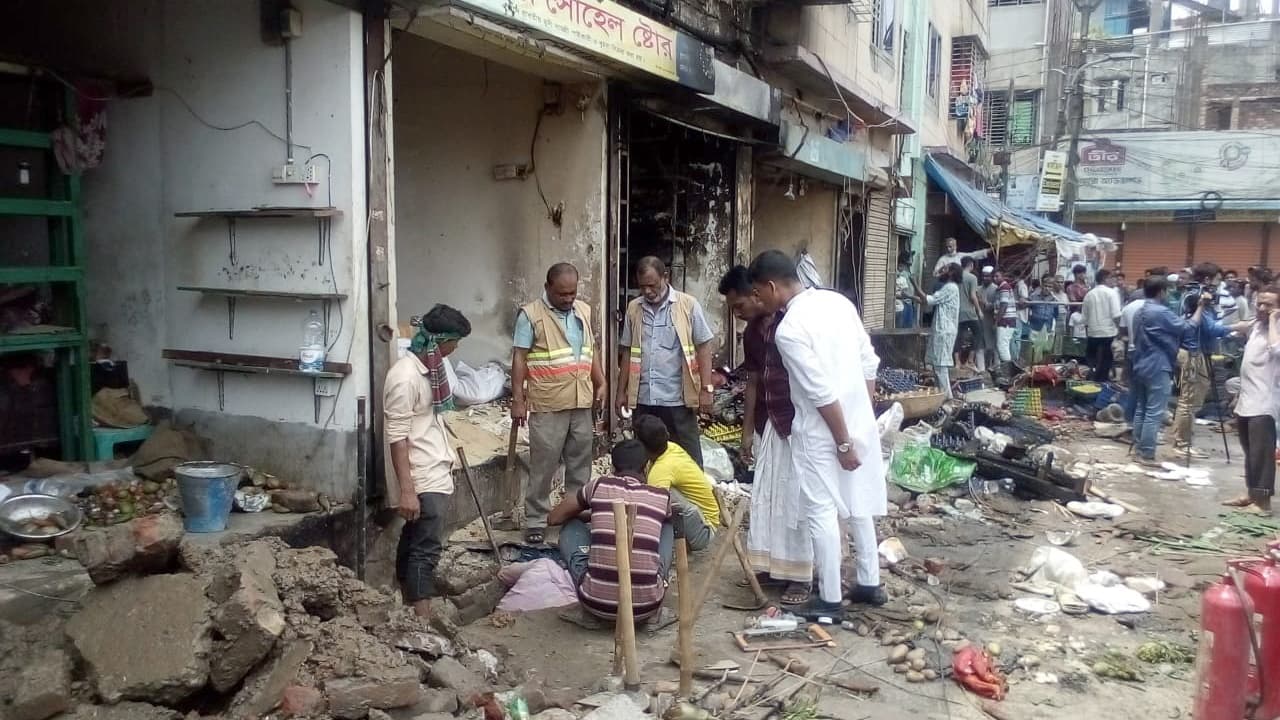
(682, 318)
(557, 379)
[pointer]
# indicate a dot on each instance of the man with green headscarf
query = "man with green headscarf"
(417, 389)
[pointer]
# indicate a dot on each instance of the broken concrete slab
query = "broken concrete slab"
(145, 638)
(427, 643)
(460, 569)
(25, 587)
(433, 716)
(143, 545)
(250, 621)
(448, 673)
(43, 687)
(479, 601)
(437, 700)
(265, 688)
(352, 697)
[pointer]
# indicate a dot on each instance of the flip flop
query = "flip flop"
(1240, 502)
(1253, 509)
(796, 594)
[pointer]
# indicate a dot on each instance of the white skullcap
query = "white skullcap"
(987, 269)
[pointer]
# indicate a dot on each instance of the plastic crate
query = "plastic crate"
(1027, 403)
(969, 385)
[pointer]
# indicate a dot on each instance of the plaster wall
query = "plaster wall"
(479, 244)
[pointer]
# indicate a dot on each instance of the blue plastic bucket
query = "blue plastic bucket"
(207, 490)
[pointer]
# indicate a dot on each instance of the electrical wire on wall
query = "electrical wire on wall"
(556, 214)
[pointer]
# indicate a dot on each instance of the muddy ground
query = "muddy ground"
(974, 596)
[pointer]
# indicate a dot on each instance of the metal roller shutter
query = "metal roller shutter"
(875, 266)
(1148, 245)
(1231, 246)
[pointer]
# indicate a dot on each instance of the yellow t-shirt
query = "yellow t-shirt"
(675, 469)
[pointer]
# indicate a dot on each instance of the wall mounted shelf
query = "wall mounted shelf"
(323, 216)
(232, 294)
(222, 363)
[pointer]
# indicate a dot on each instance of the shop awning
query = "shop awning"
(1001, 225)
(808, 152)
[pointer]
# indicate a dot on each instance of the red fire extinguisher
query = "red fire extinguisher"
(1261, 580)
(1222, 662)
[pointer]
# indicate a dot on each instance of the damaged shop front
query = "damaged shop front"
(534, 133)
(681, 181)
(826, 190)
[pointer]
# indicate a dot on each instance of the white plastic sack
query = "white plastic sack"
(538, 585)
(1113, 599)
(1053, 566)
(889, 423)
(716, 462)
(476, 386)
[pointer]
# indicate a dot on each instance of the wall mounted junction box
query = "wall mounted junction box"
(295, 174)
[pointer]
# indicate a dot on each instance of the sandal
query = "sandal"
(1240, 502)
(534, 536)
(796, 593)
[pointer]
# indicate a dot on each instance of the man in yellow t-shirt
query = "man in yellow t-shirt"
(692, 497)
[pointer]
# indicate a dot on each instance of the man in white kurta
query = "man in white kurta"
(835, 442)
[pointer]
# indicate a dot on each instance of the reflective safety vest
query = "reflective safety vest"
(682, 318)
(557, 379)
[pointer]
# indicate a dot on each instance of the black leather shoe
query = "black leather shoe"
(868, 595)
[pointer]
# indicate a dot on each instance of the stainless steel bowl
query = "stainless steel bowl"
(20, 510)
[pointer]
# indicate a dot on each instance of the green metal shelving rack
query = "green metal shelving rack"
(66, 273)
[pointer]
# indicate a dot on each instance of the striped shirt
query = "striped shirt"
(599, 588)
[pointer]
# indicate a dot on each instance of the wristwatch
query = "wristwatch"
(844, 447)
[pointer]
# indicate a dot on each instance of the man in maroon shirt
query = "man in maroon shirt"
(778, 542)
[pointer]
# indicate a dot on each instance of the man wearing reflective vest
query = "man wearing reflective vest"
(556, 380)
(665, 365)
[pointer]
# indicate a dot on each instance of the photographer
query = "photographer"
(1197, 346)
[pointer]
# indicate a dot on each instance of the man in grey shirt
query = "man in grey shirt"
(665, 371)
(970, 335)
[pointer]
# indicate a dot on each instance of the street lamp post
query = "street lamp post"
(1075, 106)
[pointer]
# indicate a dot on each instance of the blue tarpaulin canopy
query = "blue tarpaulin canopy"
(1001, 225)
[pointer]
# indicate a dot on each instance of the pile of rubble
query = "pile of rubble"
(252, 630)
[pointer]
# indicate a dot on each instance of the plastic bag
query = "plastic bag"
(716, 461)
(919, 434)
(920, 469)
(537, 585)
(889, 423)
(476, 386)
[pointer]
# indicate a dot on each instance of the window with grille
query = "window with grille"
(934, 67)
(1014, 125)
(883, 25)
(968, 70)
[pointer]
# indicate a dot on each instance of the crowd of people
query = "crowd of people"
(809, 428)
(1167, 326)
(809, 422)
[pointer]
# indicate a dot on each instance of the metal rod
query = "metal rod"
(362, 485)
(288, 100)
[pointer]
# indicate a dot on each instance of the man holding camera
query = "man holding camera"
(1198, 345)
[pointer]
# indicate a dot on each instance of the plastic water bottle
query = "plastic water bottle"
(311, 354)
